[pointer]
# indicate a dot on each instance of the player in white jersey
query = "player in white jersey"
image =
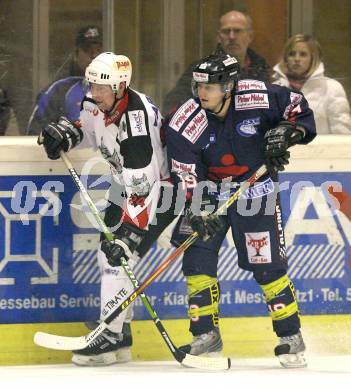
(125, 125)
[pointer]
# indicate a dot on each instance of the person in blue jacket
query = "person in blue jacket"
(64, 96)
(215, 141)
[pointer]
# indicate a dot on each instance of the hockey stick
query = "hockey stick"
(72, 343)
(182, 357)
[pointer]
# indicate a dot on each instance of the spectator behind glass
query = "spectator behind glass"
(301, 68)
(87, 46)
(64, 96)
(235, 34)
(4, 112)
(8, 120)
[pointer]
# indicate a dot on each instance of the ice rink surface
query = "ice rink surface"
(329, 372)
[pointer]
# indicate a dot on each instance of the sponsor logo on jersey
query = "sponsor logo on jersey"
(292, 109)
(244, 85)
(295, 97)
(258, 246)
(247, 128)
(195, 127)
(179, 167)
(200, 77)
(251, 101)
(182, 114)
(137, 122)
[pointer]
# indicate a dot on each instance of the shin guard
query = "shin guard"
(203, 292)
(282, 305)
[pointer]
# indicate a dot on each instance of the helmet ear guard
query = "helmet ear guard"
(228, 88)
(109, 69)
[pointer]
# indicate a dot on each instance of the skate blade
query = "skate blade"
(293, 360)
(122, 355)
(212, 354)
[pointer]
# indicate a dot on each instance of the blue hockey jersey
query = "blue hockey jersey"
(202, 146)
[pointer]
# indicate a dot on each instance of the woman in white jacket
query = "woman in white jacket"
(302, 69)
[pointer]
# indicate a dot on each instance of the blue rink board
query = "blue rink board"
(44, 278)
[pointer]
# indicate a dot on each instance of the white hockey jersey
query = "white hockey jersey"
(130, 141)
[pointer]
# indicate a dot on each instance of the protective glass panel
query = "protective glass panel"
(49, 272)
(138, 34)
(331, 26)
(162, 38)
(66, 18)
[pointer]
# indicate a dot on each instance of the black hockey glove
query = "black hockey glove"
(59, 136)
(127, 238)
(277, 142)
(206, 225)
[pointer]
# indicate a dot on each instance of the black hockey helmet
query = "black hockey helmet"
(217, 68)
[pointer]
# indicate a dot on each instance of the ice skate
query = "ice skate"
(207, 344)
(108, 348)
(290, 351)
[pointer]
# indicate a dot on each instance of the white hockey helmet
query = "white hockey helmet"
(109, 69)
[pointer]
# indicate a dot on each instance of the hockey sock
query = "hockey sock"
(204, 294)
(282, 305)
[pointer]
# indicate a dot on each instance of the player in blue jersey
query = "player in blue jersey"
(215, 141)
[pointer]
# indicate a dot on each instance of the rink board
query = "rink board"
(48, 267)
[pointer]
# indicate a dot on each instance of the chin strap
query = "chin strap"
(222, 105)
(221, 108)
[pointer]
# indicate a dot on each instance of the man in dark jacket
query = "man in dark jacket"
(235, 34)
